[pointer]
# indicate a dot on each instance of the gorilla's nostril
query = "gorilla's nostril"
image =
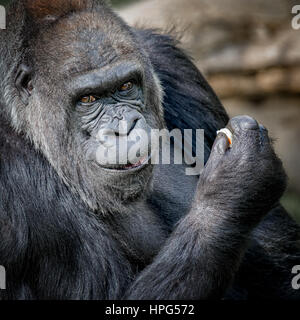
(132, 126)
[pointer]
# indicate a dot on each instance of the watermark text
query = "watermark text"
(2, 278)
(141, 146)
(296, 279)
(296, 19)
(2, 18)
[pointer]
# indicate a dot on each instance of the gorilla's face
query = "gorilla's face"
(92, 101)
(112, 117)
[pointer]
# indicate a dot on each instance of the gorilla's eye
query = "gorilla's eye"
(126, 86)
(88, 99)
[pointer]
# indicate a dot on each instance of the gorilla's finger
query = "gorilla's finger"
(242, 123)
(221, 143)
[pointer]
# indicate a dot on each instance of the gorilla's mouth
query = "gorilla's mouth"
(140, 163)
(143, 162)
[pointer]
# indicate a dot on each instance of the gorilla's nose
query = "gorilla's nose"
(119, 125)
(127, 124)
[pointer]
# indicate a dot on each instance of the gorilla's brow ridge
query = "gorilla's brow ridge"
(106, 78)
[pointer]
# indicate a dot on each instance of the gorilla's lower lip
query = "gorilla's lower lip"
(135, 165)
(130, 167)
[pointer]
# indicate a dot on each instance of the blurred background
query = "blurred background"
(250, 55)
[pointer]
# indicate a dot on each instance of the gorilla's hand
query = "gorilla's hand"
(245, 178)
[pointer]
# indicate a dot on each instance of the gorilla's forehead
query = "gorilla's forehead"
(87, 41)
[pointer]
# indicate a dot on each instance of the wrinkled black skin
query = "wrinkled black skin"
(233, 241)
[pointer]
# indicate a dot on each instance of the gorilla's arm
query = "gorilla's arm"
(198, 261)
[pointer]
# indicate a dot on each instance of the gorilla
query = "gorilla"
(72, 227)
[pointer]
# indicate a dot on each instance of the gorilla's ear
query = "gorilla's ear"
(53, 9)
(23, 82)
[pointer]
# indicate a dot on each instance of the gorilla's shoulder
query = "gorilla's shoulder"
(23, 169)
(28, 182)
(189, 101)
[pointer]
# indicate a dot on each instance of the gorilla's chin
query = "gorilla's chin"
(127, 185)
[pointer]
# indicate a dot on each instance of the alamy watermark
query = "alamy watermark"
(296, 279)
(2, 18)
(153, 146)
(2, 278)
(296, 19)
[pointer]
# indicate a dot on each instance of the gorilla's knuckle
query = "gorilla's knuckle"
(243, 123)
